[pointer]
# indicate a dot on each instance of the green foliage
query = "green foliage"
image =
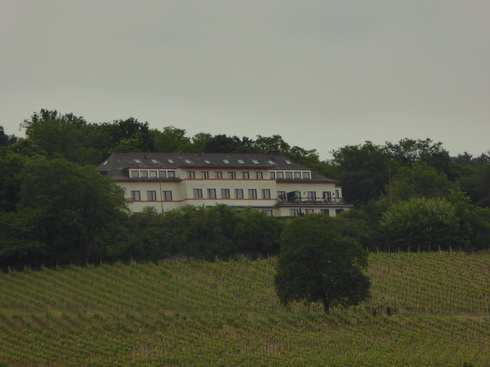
(171, 140)
(72, 213)
(6, 140)
(317, 264)
(420, 180)
(364, 171)
(257, 233)
(408, 151)
(420, 223)
(477, 185)
(11, 165)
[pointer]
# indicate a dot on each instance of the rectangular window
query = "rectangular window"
(163, 174)
(225, 193)
(293, 212)
(167, 195)
(151, 195)
(239, 193)
(144, 174)
(171, 174)
(135, 195)
(273, 175)
(297, 175)
(153, 174)
(306, 175)
(309, 211)
(212, 193)
(281, 195)
(246, 175)
(268, 213)
(337, 193)
(218, 175)
(266, 194)
(259, 175)
(204, 174)
(135, 174)
(232, 175)
(324, 211)
(197, 193)
(311, 195)
(191, 174)
(327, 195)
(289, 175)
(280, 174)
(252, 193)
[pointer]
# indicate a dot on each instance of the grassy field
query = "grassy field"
(227, 314)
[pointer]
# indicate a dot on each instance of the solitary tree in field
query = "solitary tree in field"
(318, 264)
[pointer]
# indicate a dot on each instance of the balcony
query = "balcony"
(310, 201)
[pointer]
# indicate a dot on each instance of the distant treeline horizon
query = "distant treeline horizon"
(411, 191)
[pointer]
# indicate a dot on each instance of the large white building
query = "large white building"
(268, 182)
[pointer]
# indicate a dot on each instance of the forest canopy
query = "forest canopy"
(388, 184)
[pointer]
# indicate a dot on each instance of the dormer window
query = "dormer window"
(255, 161)
(138, 161)
(226, 161)
(241, 161)
(170, 161)
(207, 161)
(154, 161)
(271, 162)
(134, 174)
(188, 161)
(288, 162)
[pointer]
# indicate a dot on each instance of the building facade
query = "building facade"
(268, 182)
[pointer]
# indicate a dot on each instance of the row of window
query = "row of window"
(296, 212)
(218, 174)
(151, 195)
(151, 174)
(290, 175)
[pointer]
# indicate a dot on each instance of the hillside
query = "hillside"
(226, 313)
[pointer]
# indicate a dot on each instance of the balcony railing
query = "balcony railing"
(310, 201)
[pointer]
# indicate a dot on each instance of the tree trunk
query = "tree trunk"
(326, 304)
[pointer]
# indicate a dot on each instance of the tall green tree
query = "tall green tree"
(420, 180)
(319, 264)
(408, 151)
(420, 223)
(6, 140)
(74, 213)
(171, 140)
(363, 170)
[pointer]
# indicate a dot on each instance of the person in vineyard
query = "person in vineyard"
(373, 311)
(388, 311)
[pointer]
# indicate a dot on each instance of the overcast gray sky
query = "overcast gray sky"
(323, 74)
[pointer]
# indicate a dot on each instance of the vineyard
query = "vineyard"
(227, 314)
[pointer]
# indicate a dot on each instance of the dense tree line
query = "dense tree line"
(55, 208)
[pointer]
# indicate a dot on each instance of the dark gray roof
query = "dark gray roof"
(119, 162)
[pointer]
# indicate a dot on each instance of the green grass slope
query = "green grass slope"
(227, 314)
